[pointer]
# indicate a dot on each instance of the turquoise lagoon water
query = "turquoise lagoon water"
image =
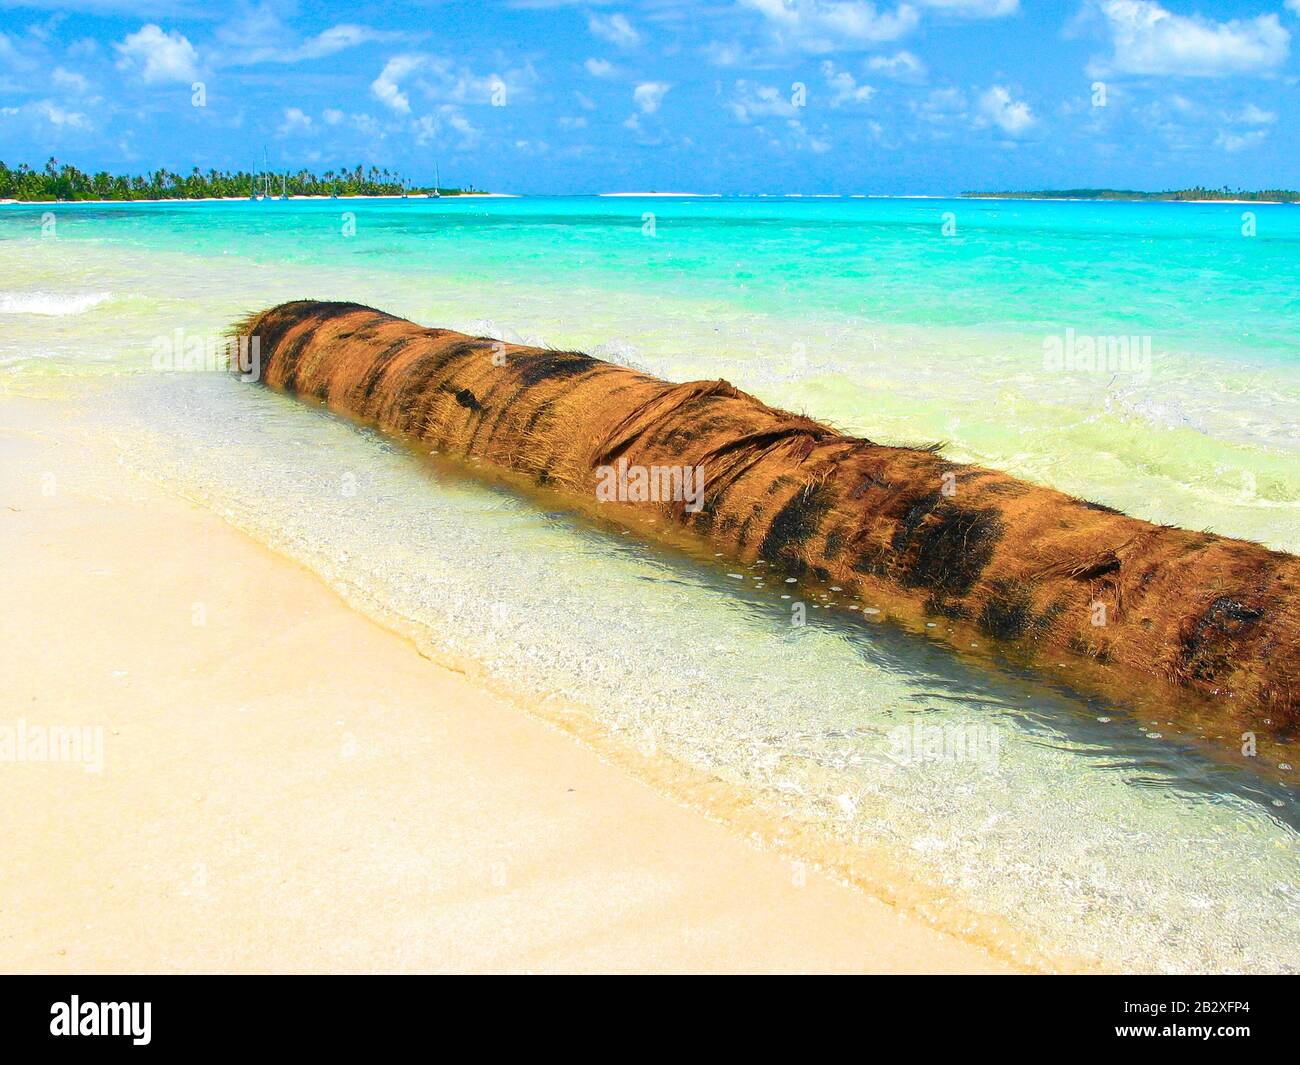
(1099, 834)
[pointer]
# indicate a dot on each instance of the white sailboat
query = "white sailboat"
(263, 183)
(435, 194)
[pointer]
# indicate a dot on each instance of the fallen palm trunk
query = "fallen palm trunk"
(1076, 589)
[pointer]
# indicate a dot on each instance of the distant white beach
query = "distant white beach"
(662, 195)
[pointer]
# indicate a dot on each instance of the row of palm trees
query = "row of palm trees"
(65, 182)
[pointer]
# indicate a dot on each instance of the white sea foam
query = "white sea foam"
(54, 304)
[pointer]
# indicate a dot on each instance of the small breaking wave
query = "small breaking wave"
(54, 304)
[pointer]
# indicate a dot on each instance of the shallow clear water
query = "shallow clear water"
(1102, 837)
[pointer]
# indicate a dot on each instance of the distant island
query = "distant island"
(1198, 194)
(65, 182)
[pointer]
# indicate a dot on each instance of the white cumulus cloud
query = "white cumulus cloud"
(70, 80)
(649, 95)
(975, 8)
(1012, 116)
(844, 87)
(828, 25)
(760, 101)
(295, 121)
(59, 116)
(439, 78)
(326, 43)
(1236, 142)
(614, 28)
(157, 56)
(902, 66)
(387, 89)
(1252, 115)
(1148, 39)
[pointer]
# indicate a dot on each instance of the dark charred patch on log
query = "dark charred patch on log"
(937, 606)
(270, 330)
(272, 326)
(494, 417)
(375, 371)
(942, 546)
(714, 424)
(721, 486)
(821, 573)
(534, 369)
(466, 399)
(835, 541)
(407, 402)
(457, 352)
(794, 525)
(1088, 504)
(542, 411)
(868, 482)
(916, 512)
(676, 439)
(1009, 612)
(275, 328)
(1046, 621)
(1087, 569)
(1099, 567)
(1207, 646)
(290, 356)
(702, 520)
(756, 443)
(873, 561)
(755, 515)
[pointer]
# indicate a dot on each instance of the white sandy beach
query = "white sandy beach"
(663, 195)
(287, 786)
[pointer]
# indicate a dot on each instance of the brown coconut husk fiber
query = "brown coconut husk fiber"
(1070, 588)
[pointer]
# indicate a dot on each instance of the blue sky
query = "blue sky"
(732, 96)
